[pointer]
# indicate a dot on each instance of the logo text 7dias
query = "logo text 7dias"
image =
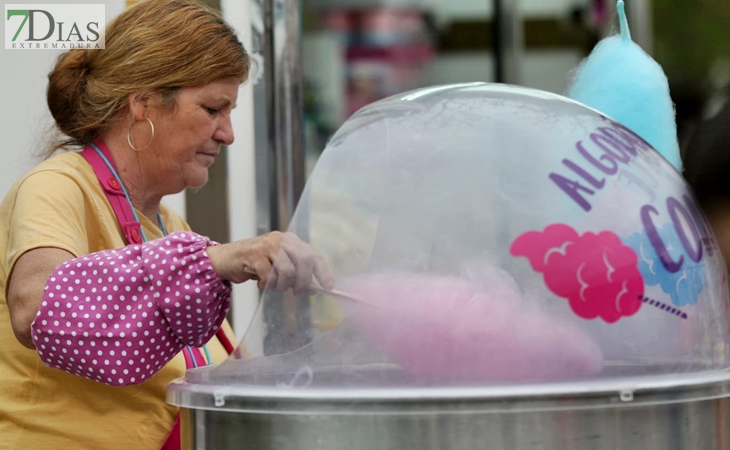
(59, 26)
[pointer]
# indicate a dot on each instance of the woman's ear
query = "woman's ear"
(140, 104)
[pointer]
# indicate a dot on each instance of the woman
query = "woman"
(106, 294)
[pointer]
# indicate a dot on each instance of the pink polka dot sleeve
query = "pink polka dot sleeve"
(117, 316)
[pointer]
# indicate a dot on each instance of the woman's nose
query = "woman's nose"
(224, 132)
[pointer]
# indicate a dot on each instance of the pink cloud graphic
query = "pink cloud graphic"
(596, 273)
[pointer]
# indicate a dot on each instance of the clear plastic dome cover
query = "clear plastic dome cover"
(491, 235)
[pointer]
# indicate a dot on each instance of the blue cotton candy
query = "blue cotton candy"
(622, 81)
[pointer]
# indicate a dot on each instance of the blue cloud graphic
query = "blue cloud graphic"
(684, 287)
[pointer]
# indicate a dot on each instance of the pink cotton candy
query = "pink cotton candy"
(447, 329)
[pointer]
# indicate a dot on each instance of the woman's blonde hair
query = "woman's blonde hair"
(155, 46)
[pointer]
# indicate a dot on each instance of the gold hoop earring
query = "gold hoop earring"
(129, 136)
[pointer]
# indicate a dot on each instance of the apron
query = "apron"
(133, 232)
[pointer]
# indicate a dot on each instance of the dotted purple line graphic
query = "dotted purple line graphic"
(663, 307)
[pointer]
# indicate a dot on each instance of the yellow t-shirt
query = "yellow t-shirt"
(60, 204)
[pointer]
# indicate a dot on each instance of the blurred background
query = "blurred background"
(357, 51)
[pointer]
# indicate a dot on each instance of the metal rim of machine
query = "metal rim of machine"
(593, 394)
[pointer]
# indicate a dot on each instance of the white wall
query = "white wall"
(24, 119)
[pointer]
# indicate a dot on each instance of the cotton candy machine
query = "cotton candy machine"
(523, 273)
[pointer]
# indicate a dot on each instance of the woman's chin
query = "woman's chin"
(197, 180)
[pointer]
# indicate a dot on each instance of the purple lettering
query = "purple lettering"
(600, 139)
(573, 188)
(656, 240)
(631, 137)
(583, 174)
(674, 207)
(619, 139)
(608, 170)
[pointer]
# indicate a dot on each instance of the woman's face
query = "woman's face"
(187, 138)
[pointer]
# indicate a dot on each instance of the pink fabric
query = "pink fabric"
(118, 316)
(227, 344)
(173, 441)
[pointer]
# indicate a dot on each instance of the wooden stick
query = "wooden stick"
(334, 292)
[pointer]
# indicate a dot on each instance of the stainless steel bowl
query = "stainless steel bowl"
(667, 412)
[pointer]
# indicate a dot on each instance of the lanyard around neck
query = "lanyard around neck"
(99, 157)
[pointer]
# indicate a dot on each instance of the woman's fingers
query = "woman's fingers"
(283, 274)
(305, 259)
(283, 261)
(303, 279)
(263, 270)
(322, 272)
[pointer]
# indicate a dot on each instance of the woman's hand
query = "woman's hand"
(277, 260)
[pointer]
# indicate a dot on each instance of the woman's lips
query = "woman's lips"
(210, 156)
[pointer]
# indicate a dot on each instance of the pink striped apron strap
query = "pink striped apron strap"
(113, 191)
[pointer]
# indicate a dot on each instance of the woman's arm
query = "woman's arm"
(26, 286)
(117, 316)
